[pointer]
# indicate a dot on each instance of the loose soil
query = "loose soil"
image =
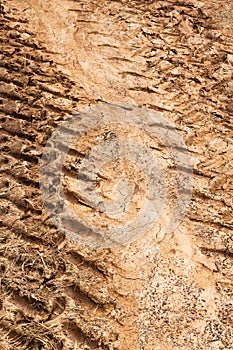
(160, 292)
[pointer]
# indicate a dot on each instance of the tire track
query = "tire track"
(87, 299)
(23, 133)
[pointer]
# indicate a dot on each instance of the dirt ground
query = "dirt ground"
(168, 293)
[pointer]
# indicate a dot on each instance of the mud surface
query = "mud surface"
(172, 292)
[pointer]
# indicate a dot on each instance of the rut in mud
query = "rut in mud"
(57, 58)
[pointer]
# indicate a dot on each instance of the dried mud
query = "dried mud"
(173, 292)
